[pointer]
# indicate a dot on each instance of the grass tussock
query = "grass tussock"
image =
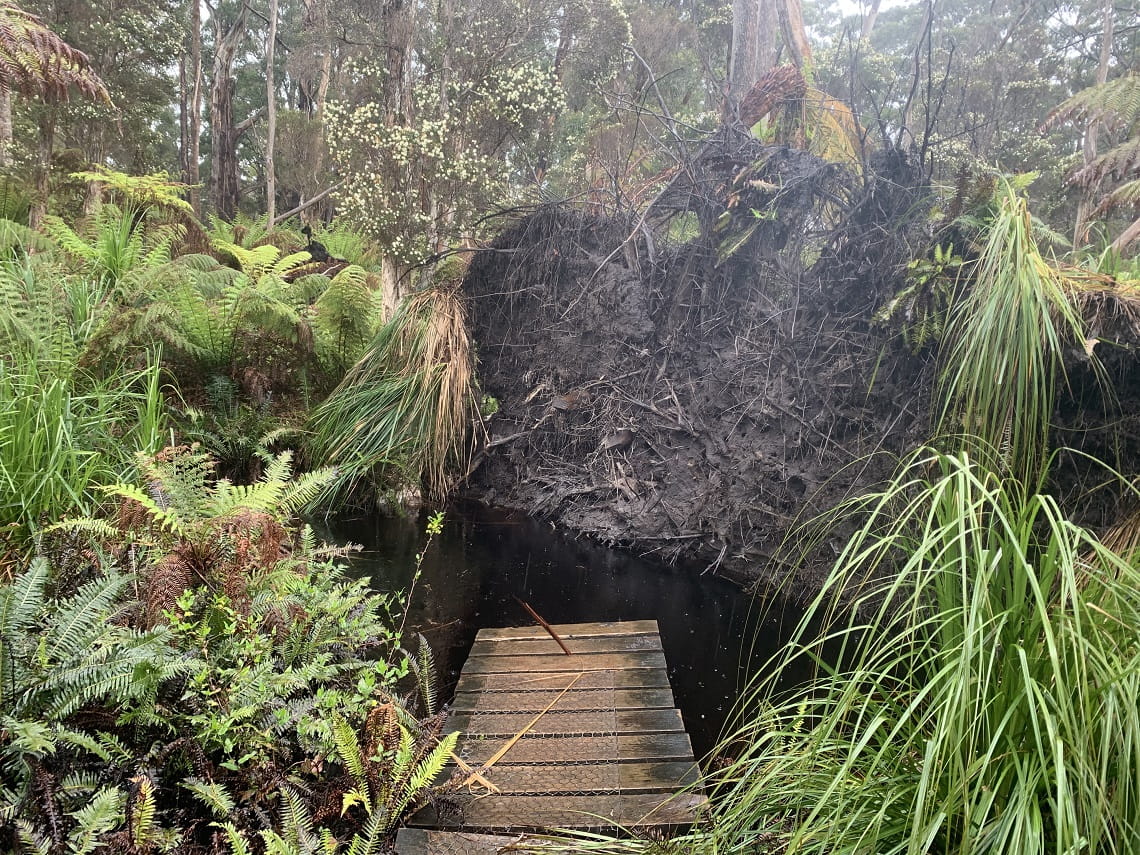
(987, 698)
(405, 409)
(1004, 344)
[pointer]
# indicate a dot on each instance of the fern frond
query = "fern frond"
(237, 841)
(163, 518)
(212, 795)
(426, 676)
(100, 815)
(1115, 103)
(144, 824)
(36, 842)
(348, 747)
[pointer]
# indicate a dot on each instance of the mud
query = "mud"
(689, 382)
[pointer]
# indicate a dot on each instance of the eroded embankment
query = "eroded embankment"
(692, 400)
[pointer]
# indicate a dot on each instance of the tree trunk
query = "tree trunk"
(223, 135)
(194, 125)
(753, 50)
(1085, 206)
(1126, 237)
(869, 21)
(271, 117)
(43, 167)
(5, 127)
(795, 36)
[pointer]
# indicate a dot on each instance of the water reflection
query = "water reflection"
(711, 632)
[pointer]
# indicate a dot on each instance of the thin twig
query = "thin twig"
(545, 625)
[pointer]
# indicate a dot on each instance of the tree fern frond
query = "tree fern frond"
(1116, 102)
(1118, 162)
(167, 519)
(1125, 194)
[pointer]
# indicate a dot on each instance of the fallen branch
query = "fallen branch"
(304, 206)
(545, 625)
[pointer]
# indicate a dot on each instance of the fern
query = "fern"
(426, 675)
(212, 795)
(237, 841)
(143, 825)
(100, 815)
(348, 749)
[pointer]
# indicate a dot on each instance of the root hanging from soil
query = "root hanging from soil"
(688, 380)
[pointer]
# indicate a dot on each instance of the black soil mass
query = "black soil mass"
(691, 379)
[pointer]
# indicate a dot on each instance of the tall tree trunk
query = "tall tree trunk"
(43, 167)
(194, 125)
(795, 35)
(753, 50)
(183, 121)
(5, 126)
(271, 117)
(869, 21)
(1085, 206)
(223, 134)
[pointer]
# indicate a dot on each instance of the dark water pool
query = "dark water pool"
(713, 633)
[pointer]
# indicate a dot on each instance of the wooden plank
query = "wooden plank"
(589, 811)
(592, 644)
(631, 678)
(481, 725)
(537, 700)
(668, 776)
(673, 745)
(590, 740)
(563, 663)
(570, 630)
(421, 841)
(578, 778)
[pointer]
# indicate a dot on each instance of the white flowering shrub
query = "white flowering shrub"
(485, 91)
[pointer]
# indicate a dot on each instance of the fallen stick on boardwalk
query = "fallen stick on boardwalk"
(498, 755)
(544, 625)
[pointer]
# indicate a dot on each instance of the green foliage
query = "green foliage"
(345, 319)
(117, 244)
(1004, 344)
(389, 773)
(57, 656)
(985, 700)
(63, 432)
(260, 650)
(921, 307)
(139, 192)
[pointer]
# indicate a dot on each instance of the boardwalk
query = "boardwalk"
(590, 740)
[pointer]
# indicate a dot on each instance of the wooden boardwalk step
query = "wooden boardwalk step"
(420, 841)
(593, 739)
(537, 699)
